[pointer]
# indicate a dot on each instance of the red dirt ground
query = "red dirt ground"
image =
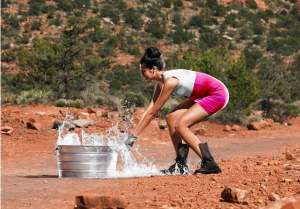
(251, 160)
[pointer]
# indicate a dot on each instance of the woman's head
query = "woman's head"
(152, 57)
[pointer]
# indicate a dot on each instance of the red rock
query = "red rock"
(91, 110)
(257, 125)
(227, 128)
(269, 121)
(285, 203)
(236, 128)
(290, 156)
(113, 115)
(105, 113)
(27, 119)
(100, 201)
(163, 124)
(99, 113)
(274, 197)
(41, 114)
(234, 195)
(7, 130)
(201, 131)
(35, 126)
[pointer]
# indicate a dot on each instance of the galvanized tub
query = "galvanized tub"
(80, 161)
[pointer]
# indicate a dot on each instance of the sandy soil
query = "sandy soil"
(251, 160)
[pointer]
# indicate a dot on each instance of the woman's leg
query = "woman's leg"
(173, 116)
(190, 117)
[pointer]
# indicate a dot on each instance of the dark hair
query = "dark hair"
(152, 57)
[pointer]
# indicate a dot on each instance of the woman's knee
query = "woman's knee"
(170, 119)
(180, 126)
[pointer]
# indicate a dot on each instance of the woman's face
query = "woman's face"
(145, 73)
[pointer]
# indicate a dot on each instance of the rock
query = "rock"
(35, 126)
(100, 201)
(27, 119)
(274, 197)
(99, 113)
(7, 130)
(290, 156)
(81, 123)
(84, 115)
(105, 113)
(269, 121)
(163, 124)
(67, 125)
(113, 115)
(201, 131)
(257, 125)
(91, 110)
(41, 113)
(234, 195)
(285, 203)
(227, 128)
(236, 128)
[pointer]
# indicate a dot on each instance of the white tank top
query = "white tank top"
(186, 81)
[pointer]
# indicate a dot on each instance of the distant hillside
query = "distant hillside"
(107, 38)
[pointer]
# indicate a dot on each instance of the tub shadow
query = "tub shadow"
(40, 176)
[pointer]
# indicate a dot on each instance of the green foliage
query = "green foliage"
(115, 84)
(78, 103)
(251, 4)
(132, 98)
(167, 3)
(8, 56)
(156, 28)
(113, 41)
(133, 19)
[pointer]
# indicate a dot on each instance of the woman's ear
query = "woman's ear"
(154, 68)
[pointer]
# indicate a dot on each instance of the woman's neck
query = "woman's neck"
(159, 76)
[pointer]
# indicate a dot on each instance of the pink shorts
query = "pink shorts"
(210, 93)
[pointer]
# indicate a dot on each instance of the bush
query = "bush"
(78, 103)
(115, 84)
(155, 28)
(136, 99)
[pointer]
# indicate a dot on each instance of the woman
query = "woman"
(207, 95)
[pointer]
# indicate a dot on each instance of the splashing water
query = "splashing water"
(130, 166)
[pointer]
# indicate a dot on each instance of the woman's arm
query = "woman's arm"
(155, 96)
(148, 116)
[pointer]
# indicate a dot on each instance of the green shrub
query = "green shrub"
(78, 103)
(132, 98)
(115, 84)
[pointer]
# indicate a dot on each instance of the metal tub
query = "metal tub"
(80, 161)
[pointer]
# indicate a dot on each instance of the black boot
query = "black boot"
(208, 164)
(180, 161)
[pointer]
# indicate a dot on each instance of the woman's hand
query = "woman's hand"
(130, 141)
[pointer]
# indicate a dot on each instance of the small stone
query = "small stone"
(287, 180)
(236, 128)
(7, 130)
(274, 197)
(259, 163)
(99, 113)
(234, 195)
(113, 115)
(201, 131)
(227, 128)
(163, 124)
(81, 123)
(35, 126)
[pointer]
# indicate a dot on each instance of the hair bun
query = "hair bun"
(153, 53)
